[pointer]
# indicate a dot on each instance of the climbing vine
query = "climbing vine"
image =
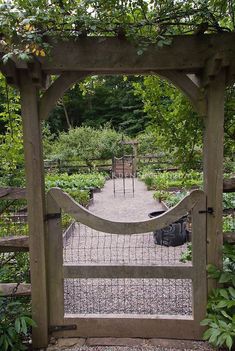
(28, 26)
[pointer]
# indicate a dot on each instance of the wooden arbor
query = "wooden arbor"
(201, 66)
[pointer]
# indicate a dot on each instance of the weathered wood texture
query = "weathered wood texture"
(86, 217)
(55, 280)
(199, 261)
(36, 203)
(57, 90)
(229, 185)
(229, 237)
(112, 55)
(134, 271)
(10, 289)
(213, 168)
(178, 327)
(183, 82)
(14, 244)
(12, 193)
(129, 325)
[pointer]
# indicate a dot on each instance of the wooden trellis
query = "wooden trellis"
(201, 66)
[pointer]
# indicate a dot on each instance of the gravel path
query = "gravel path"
(128, 207)
(145, 296)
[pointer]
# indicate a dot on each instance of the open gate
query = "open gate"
(108, 279)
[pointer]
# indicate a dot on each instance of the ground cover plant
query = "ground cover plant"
(220, 318)
(166, 180)
(16, 323)
(76, 185)
(15, 312)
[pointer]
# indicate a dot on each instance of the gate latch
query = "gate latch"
(209, 210)
(57, 328)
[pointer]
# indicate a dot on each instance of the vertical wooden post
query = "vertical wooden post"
(36, 206)
(55, 263)
(199, 248)
(213, 168)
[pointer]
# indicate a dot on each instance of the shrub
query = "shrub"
(220, 317)
(86, 143)
(15, 325)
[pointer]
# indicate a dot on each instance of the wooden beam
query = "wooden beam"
(131, 325)
(14, 244)
(130, 271)
(189, 88)
(39, 78)
(212, 68)
(188, 53)
(213, 168)
(57, 90)
(14, 289)
(36, 206)
(229, 185)
(9, 70)
(229, 237)
(12, 193)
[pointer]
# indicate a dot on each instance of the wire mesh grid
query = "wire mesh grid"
(123, 296)
(128, 296)
(13, 222)
(86, 245)
(13, 218)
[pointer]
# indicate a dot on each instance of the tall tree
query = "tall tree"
(101, 100)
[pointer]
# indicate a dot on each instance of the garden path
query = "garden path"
(131, 207)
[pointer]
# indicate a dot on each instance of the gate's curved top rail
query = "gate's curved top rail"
(81, 214)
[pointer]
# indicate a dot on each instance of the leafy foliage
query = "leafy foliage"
(27, 29)
(76, 185)
(99, 100)
(186, 256)
(228, 200)
(166, 180)
(15, 325)
(11, 140)
(221, 305)
(86, 143)
(173, 121)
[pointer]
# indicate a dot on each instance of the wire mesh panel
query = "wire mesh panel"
(128, 296)
(13, 218)
(124, 296)
(87, 245)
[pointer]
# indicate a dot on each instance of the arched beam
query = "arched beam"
(183, 82)
(56, 91)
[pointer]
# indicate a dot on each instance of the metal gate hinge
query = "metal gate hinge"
(52, 216)
(209, 210)
(57, 328)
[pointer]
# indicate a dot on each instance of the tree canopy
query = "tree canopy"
(101, 100)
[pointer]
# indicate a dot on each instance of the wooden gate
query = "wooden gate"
(92, 322)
